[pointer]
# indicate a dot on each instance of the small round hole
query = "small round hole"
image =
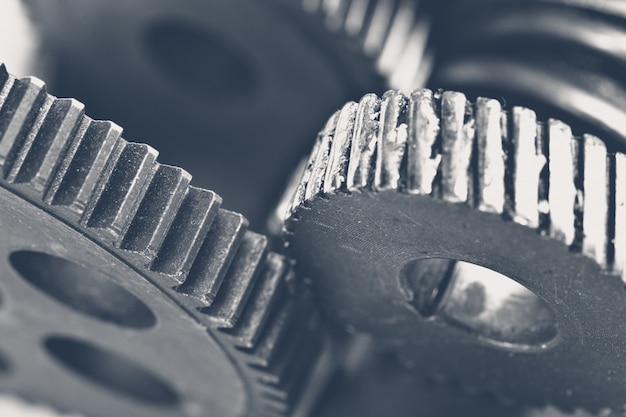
(82, 289)
(111, 371)
(200, 62)
(479, 300)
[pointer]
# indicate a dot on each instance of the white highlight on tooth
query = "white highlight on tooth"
(397, 39)
(378, 27)
(562, 196)
(619, 265)
(595, 200)
(528, 165)
(356, 17)
(491, 163)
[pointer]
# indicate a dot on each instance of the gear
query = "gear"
(563, 58)
(395, 33)
(484, 246)
(131, 289)
(186, 68)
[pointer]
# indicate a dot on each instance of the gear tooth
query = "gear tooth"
(268, 290)
(423, 132)
(596, 200)
(270, 343)
(525, 163)
(6, 83)
(87, 158)
(457, 136)
(562, 166)
(186, 233)
(157, 211)
(215, 256)
(318, 171)
(335, 176)
(391, 141)
(335, 12)
(379, 20)
(117, 199)
(619, 218)
(490, 173)
(397, 37)
(26, 105)
(239, 280)
(364, 140)
(39, 157)
(355, 17)
(303, 343)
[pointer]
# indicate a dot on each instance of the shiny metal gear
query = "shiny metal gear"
(127, 291)
(563, 58)
(485, 246)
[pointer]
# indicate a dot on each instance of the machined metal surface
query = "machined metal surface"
(131, 289)
(485, 246)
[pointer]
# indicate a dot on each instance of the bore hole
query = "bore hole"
(484, 302)
(199, 61)
(84, 290)
(111, 371)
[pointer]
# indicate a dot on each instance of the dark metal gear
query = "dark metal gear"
(485, 246)
(187, 68)
(127, 291)
(563, 58)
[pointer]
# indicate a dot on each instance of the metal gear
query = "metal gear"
(133, 290)
(484, 246)
(563, 58)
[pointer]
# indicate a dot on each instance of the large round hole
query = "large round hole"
(84, 290)
(111, 371)
(200, 62)
(484, 302)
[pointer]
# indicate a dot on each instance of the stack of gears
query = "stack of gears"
(436, 253)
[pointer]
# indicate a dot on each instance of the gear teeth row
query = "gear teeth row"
(115, 191)
(534, 173)
(393, 32)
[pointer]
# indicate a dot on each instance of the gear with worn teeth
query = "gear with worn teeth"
(88, 190)
(404, 199)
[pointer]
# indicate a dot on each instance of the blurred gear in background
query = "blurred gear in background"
(117, 272)
(562, 58)
(227, 88)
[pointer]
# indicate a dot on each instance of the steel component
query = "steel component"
(563, 58)
(127, 291)
(485, 246)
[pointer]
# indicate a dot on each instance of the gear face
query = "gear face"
(131, 289)
(484, 246)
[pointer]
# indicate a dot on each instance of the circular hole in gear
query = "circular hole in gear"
(111, 371)
(484, 302)
(198, 61)
(84, 290)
